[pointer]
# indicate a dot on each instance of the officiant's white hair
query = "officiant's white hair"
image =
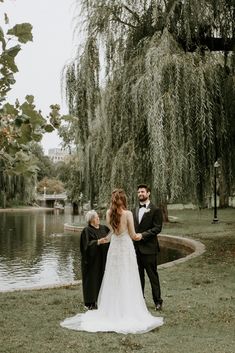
(90, 215)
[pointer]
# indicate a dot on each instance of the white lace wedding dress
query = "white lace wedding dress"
(121, 305)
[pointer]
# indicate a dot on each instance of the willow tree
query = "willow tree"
(164, 112)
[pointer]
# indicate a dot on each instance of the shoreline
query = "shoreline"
(26, 208)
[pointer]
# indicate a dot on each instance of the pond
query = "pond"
(35, 250)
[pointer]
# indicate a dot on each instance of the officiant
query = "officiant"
(94, 247)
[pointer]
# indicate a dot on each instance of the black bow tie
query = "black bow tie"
(142, 205)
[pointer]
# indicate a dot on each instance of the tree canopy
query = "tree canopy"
(164, 113)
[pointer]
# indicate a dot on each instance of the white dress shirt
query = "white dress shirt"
(142, 210)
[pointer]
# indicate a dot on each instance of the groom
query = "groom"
(148, 222)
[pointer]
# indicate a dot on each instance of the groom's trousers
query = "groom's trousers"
(148, 263)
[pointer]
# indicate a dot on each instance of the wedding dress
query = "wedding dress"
(121, 305)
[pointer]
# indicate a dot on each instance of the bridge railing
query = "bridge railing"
(41, 197)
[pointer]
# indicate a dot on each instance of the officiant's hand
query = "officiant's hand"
(103, 241)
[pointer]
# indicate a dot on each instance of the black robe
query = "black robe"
(93, 259)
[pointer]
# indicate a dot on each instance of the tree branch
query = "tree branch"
(136, 16)
(118, 19)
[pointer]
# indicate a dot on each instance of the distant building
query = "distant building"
(57, 154)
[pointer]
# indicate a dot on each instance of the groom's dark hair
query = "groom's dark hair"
(144, 186)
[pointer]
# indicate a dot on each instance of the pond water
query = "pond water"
(35, 250)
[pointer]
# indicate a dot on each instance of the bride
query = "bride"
(121, 305)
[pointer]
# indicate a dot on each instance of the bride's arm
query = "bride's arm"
(108, 237)
(130, 226)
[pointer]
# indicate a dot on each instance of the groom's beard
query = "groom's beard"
(143, 199)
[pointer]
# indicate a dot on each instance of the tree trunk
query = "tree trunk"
(75, 208)
(163, 208)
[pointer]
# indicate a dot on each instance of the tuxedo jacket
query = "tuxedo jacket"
(149, 227)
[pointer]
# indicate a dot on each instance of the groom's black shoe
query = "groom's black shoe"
(158, 307)
(92, 306)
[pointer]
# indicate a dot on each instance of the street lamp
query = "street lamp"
(215, 219)
(81, 203)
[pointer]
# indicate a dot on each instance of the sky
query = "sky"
(41, 62)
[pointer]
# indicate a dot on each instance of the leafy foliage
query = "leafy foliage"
(20, 123)
(46, 168)
(70, 173)
(22, 32)
(52, 185)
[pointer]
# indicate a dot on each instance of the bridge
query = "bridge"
(48, 200)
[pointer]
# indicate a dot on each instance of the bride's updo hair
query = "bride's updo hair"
(118, 203)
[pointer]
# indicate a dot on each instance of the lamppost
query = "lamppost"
(44, 195)
(44, 192)
(215, 219)
(81, 202)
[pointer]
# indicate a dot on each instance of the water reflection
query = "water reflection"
(35, 251)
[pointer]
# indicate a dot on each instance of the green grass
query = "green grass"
(199, 303)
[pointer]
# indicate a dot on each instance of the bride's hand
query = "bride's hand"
(138, 237)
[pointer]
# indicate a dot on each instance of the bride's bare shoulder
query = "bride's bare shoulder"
(127, 213)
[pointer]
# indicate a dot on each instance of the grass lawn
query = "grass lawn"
(199, 303)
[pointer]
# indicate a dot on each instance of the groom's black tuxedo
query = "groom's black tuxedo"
(149, 227)
(146, 249)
